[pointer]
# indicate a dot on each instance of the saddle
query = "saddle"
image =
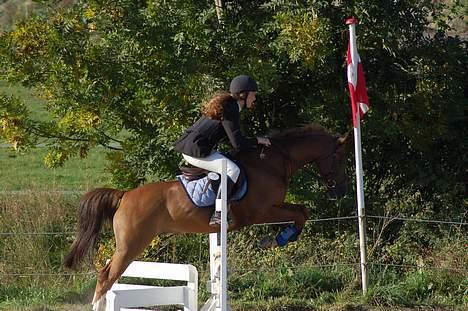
(193, 173)
(202, 186)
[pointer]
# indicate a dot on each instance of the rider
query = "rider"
(221, 120)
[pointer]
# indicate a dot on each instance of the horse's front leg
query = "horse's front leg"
(285, 212)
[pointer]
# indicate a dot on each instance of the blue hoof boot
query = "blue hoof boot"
(289, 234)
(295, 236)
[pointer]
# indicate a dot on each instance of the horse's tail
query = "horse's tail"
(96, 206)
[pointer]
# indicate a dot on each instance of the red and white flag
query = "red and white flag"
(360, 105)
(356, 82)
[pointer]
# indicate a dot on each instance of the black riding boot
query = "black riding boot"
(215, 219)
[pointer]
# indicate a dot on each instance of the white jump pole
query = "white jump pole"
(224, 226)
(218, 253)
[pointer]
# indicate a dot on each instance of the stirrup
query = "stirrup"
(215, 219)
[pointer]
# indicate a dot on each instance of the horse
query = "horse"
(138, 215)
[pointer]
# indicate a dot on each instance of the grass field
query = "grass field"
(27, 171)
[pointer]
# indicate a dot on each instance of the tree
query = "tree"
(131, 75)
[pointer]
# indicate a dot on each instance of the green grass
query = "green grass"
(27, 171)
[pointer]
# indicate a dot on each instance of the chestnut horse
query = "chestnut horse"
(140, 214)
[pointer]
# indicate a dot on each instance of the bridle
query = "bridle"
(329, 177)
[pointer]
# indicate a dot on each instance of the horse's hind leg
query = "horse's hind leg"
(109, 274)
(130, 242)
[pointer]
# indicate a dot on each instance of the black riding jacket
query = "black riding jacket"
(204, 135)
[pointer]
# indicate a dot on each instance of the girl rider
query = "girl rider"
(221, 120)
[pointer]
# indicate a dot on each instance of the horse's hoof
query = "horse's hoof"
(99, 305)
(267, 242)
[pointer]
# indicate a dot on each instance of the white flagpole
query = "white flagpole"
(359, 170)
(360, 200)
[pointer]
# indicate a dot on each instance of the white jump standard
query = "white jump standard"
(218, 253)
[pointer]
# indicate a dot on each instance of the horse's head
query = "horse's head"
(312, 143)
(332, 168)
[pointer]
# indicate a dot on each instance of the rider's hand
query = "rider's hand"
(263, 141)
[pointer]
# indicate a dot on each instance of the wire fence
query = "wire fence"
(447, 222)
(461, 223)
(238, 270)
(420, 267)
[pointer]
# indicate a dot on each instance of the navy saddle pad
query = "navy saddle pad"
(202, 194)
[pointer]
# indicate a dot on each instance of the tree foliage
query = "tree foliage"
(131, 75)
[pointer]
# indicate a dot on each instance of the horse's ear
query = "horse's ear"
(344, 139)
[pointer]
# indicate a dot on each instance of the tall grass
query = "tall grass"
(31, 264)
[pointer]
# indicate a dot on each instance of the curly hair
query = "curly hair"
(214, 107)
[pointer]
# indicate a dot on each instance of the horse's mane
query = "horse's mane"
(309, 129)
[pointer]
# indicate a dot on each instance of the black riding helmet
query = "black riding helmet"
(243, 83)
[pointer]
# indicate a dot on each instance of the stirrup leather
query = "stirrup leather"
(215, 219)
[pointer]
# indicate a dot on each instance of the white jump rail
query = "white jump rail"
(125, 296)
